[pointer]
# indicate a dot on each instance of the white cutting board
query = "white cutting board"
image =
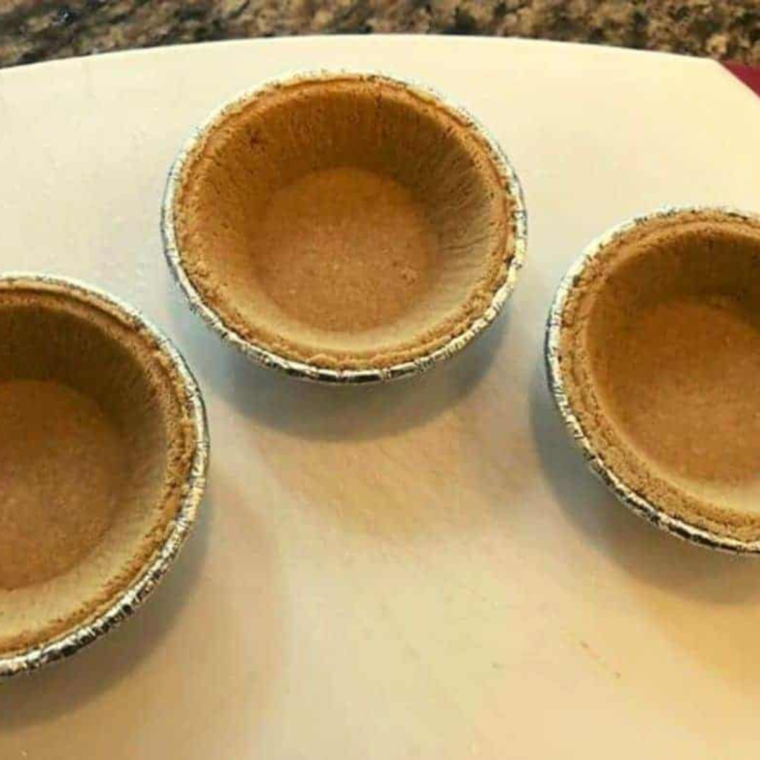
(422, 570)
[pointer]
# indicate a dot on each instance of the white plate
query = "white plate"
(420, 570)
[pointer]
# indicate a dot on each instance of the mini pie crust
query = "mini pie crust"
(660, 362)
(97, 449)
(345, 222)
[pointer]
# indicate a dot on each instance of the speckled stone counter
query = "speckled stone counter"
(38, 30)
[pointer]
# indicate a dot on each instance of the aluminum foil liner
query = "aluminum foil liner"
(133, 595)
(636, 502)
(307, 371)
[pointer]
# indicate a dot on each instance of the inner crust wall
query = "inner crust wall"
(689, 272)
(49, 337)
(376, 127)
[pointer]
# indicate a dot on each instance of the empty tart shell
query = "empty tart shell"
(344, 227)
(103, 457)
(653, 351)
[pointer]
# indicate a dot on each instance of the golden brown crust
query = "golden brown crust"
(94, 366)
(660, 359)
(346, 223)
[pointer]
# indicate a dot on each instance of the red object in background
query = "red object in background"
(748, 74)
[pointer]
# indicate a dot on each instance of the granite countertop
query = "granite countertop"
(38, 30)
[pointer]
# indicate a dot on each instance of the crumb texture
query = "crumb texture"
(344, 249)
(662, 363)
(61, 461)
(685, 384)
(348, 218)
(93, 453)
